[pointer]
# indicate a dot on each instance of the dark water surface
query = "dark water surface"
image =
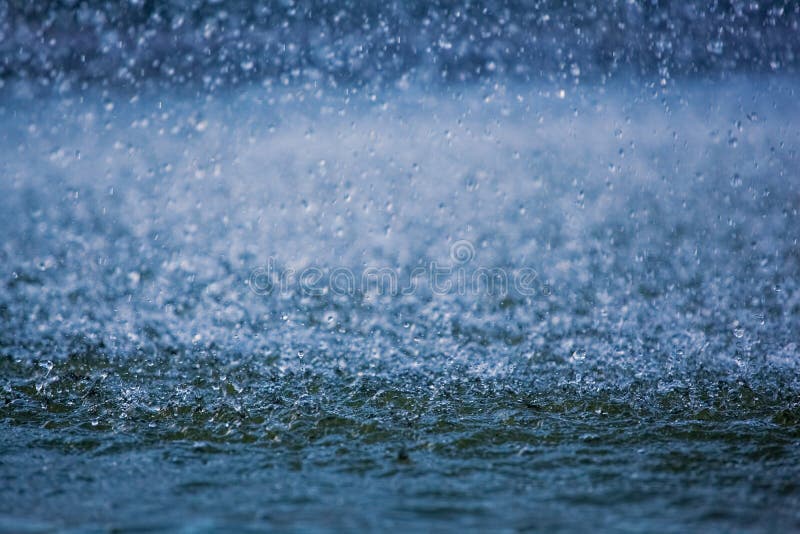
(648, 383)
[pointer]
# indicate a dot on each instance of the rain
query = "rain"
(335, 266)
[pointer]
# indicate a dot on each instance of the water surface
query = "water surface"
(648, 382)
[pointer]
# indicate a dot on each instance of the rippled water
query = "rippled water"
(649, 383)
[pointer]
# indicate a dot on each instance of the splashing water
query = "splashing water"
(650, 381)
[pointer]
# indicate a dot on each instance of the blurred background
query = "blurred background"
(214, 43)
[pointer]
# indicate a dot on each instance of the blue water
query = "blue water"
(647, 382)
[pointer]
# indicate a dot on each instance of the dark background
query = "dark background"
(218, 43)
